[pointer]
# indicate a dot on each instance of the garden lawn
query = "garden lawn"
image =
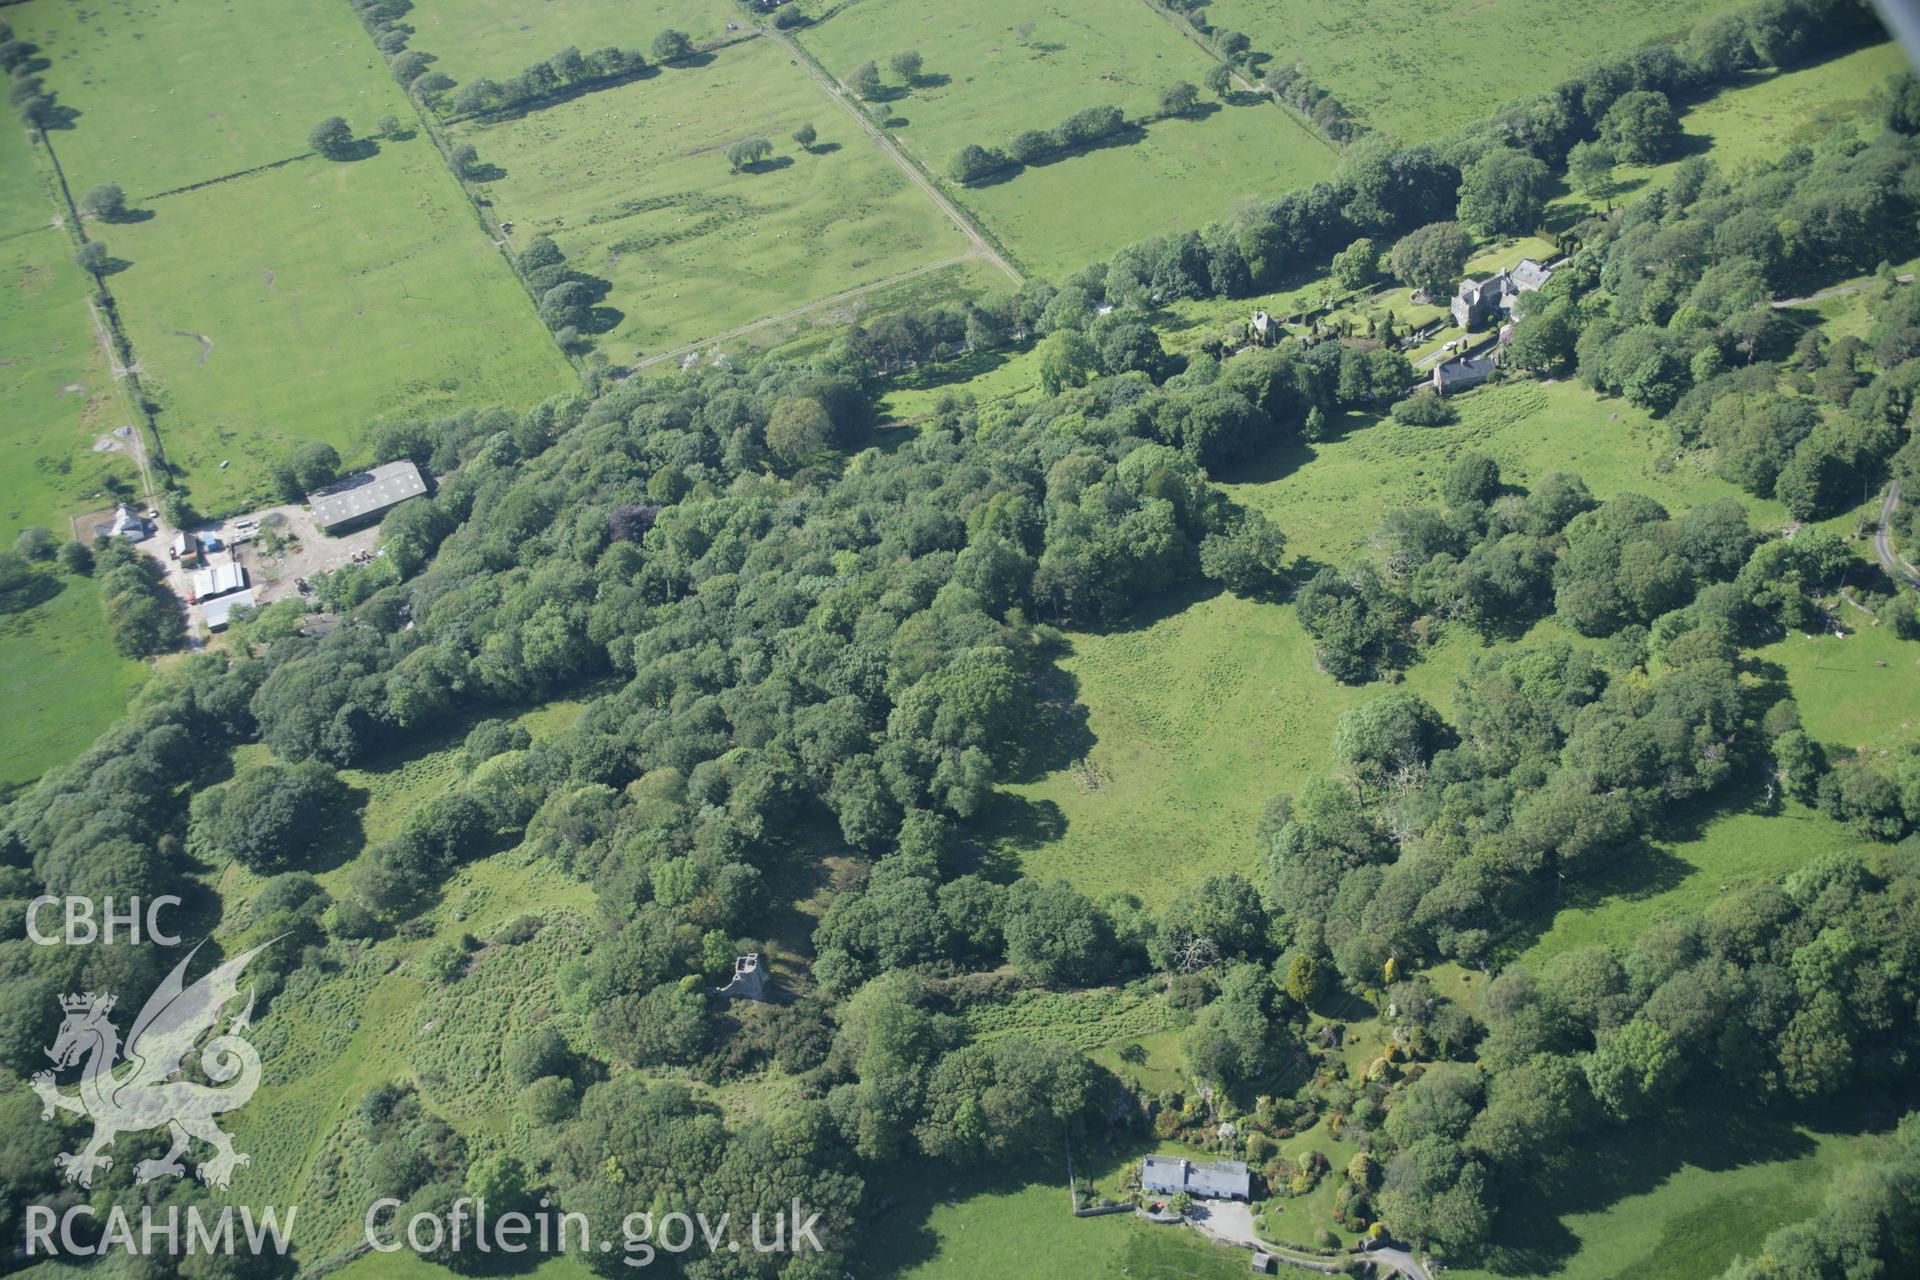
(57, 394)
(1016, 1222)
(334, 295)
(634, 185)
(983, 82)
(1419, 69)
(61, 680)
(501, 38)
(174, 92)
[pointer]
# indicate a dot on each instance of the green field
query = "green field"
(1677, 1199)
(500, 38)
(633, 183)
(331, 294)
(358, 291)
(57, 394)
(167, 95)
(982, 84)
(60, 681)
(1753, 121)
(1418, 69)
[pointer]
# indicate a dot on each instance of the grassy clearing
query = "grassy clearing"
(1329, 497)
(60, 679)
(1677, 1199)
(1754, 121)
(501, 38)
(57, 394)
(1211, 703)
(334, 295)
(696, 250)
(1419, 69)
(169, 94)
(983, 83)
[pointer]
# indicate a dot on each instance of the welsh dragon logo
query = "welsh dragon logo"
(141, 1091)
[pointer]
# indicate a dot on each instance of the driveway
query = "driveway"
(1231, 1222)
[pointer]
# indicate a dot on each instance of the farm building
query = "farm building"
(363, 498)
(1221, 1180)
(218, 580)
(1480, 300)
(220, 612)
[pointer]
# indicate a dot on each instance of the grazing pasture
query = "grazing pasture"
(57, 393)
(1418, 69)
(1753, 121)
(500, 38)
(1679, 1198)
(169, 93)
(60, 680)
(306, 302)
(1200, 711)
(1000, 67)
(634, 185)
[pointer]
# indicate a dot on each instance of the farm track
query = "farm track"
(838, 92)
(803, 309)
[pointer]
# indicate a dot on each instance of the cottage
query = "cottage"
(1467, 371)
(126, 523)
(1220, 1180)
(1477, 301)
(361, 499)
(1262, 330)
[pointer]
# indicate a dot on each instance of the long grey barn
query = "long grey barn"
(363, 498)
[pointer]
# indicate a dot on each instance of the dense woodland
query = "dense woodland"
(798, 634)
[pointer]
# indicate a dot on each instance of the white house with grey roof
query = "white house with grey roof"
(363, 498)
(1219, 1180)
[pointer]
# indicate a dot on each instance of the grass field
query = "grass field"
(169, 94)
(983, 83)
(1682, 1198)
(1759, 118)
(57, 394)
(60, 680)
(500, 38)
(634, 185)
(333, 295)
(1418, 69)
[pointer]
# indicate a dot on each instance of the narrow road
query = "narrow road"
(1897, 569)
(835, 90)
(801, 310)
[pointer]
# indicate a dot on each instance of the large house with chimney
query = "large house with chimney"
(1478, 301)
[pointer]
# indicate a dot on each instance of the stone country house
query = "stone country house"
(1478, 301)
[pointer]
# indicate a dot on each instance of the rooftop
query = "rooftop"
(220, 612)
(363, 494)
